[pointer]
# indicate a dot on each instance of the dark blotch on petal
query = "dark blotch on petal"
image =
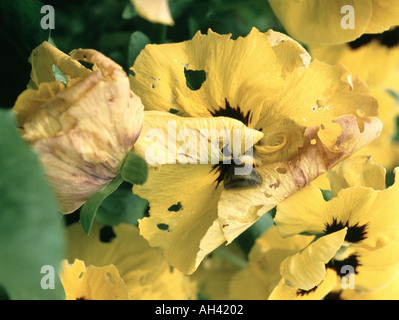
(352, 260)
(301, 292)
(107, 234)
(355, 233)
(234, 113)
(388, 38)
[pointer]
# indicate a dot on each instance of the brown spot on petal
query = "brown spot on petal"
(312, 160)
(275, 185)
(267, 195)
(281, 170)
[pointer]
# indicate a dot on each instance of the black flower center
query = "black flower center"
(225, 171)
(354, 234)
(235, 113)
(338, 265)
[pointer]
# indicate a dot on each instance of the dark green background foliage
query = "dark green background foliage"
(108, 26)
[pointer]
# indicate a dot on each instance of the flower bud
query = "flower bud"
(83, 129)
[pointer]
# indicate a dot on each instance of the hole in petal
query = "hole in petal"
(107, 234)
(176, 207)
(86, 64)
(163, 226)
(194, 78)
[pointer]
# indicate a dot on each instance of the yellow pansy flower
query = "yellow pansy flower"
(377, 63)
(156, 11)
(82, 128)
(143, 269)
(262, 275)
(366, 217)
(333, 22)
(301, 116)
(91, 283)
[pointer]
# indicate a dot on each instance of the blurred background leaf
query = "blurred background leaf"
(31, 228)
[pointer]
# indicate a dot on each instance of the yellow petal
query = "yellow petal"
(385, 14)
(372, 62)
(240, 73)
(92, 283)
(376, 64)
(371, 222)
(285, 292)
(183, 217)
(143, 269)
(170, 139)
(307, 268)
(319, 21)
(369, 277)
(384, 150)
(183, 214)
(263, 273)
(44, 57)
(156, 11)
(305, 111)
(284, 48)
(357, 171)
(390, 292)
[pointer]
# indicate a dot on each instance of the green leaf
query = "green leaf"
(31, 229)
(58, 75)
(122, 207)
(134, 169)
(137, 42)
(327, 194)
(20, 33)
(89, 209)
